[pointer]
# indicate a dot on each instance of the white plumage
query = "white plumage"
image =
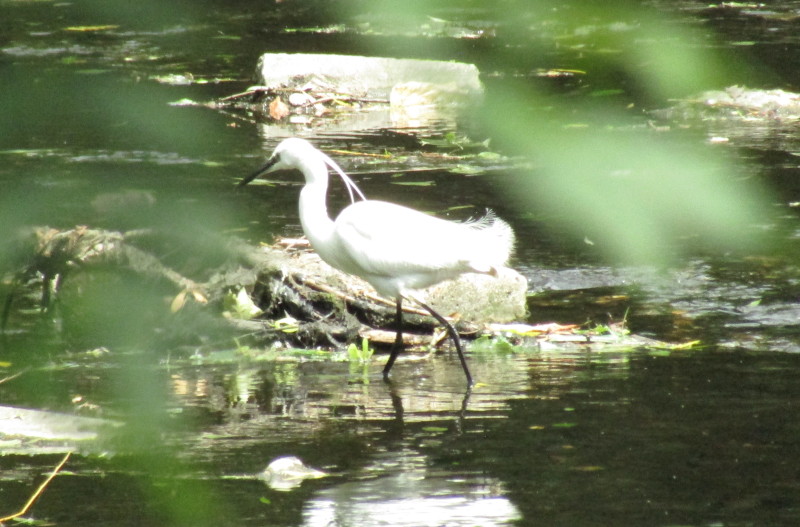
(396, 249)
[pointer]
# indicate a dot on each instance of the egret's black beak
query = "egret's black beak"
(269, 164)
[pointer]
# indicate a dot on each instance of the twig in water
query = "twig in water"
(38, 492)
(12, 377)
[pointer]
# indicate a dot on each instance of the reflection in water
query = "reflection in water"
(563, 438)
(422, 389)
(405, 490)
(691, 438)
(401, 485)
(385, 465)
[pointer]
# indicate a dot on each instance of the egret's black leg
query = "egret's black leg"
(453, 335)
(397, 347)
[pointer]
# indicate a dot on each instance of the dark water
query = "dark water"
(568, 439)
(548, 437)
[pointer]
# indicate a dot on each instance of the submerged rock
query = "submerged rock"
(749, 117)
(40, 424)
(288, 472)
(737, 103)
(31, 431)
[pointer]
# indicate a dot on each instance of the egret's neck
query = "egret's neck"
(317, 225)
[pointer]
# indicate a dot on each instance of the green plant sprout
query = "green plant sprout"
(362, 354)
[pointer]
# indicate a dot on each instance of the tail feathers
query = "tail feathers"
(496, 243)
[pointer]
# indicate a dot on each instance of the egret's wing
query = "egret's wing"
(390, 240)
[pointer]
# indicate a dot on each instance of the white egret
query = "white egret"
(396, 249)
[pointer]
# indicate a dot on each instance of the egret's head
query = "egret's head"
(290, 153)
(300, 154)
